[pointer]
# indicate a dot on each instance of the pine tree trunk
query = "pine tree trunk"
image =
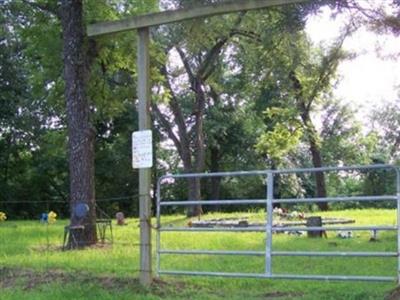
(80, 133)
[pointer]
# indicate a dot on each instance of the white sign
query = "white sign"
(142, 149)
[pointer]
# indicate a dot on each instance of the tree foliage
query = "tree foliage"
(238, 92)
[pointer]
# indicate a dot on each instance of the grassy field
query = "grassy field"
(32, 266)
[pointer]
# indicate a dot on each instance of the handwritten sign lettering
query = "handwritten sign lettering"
(142, 149)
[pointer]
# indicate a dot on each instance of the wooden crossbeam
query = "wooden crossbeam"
(171, 16)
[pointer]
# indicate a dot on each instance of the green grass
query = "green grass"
(104, 273)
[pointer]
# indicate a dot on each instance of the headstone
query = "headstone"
(374, 236)
(315, 222)
(345, 234)
(120, 218)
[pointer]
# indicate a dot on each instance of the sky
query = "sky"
(370, 79)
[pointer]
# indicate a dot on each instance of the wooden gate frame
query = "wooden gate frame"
(142, 24)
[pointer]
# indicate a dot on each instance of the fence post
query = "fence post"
(144, 95)
(158, 233)
(270, 197)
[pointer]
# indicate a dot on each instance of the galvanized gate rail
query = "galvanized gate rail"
(269, 228)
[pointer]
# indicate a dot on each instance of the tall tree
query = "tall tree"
(35, 112)
(80, 131)
(199, 62)
(194, 90)
(308, 82)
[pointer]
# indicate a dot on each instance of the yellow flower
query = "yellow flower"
(51, 217)
(3, 216)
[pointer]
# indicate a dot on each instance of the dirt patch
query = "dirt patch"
(7, 278)
(58, 248)
(394, 294)
(163, 288)
(277, 294)
(27, 279)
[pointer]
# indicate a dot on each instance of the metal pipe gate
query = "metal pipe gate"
(269, 228)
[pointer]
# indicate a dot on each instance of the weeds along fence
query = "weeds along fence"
(268, 264)
(29, 240)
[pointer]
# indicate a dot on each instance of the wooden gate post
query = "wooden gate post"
(143, 63)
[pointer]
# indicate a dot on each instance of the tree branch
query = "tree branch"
(185, 63)
(205, 70)
(176, 109)
(167, 126)
(329, 67)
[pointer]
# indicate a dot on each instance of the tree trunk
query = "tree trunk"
(312, 139)
(194, 194)
(191, 151)
(214, 182)
(80, 132)
(7, 162)
(316, 160)
(214, 167)
(319, 176)
(199, 148)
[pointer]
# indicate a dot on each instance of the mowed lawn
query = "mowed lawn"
(32, 265)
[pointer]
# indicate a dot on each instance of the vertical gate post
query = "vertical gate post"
(158, 237)
(398, 222)
(143, 62)
(270, 197)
